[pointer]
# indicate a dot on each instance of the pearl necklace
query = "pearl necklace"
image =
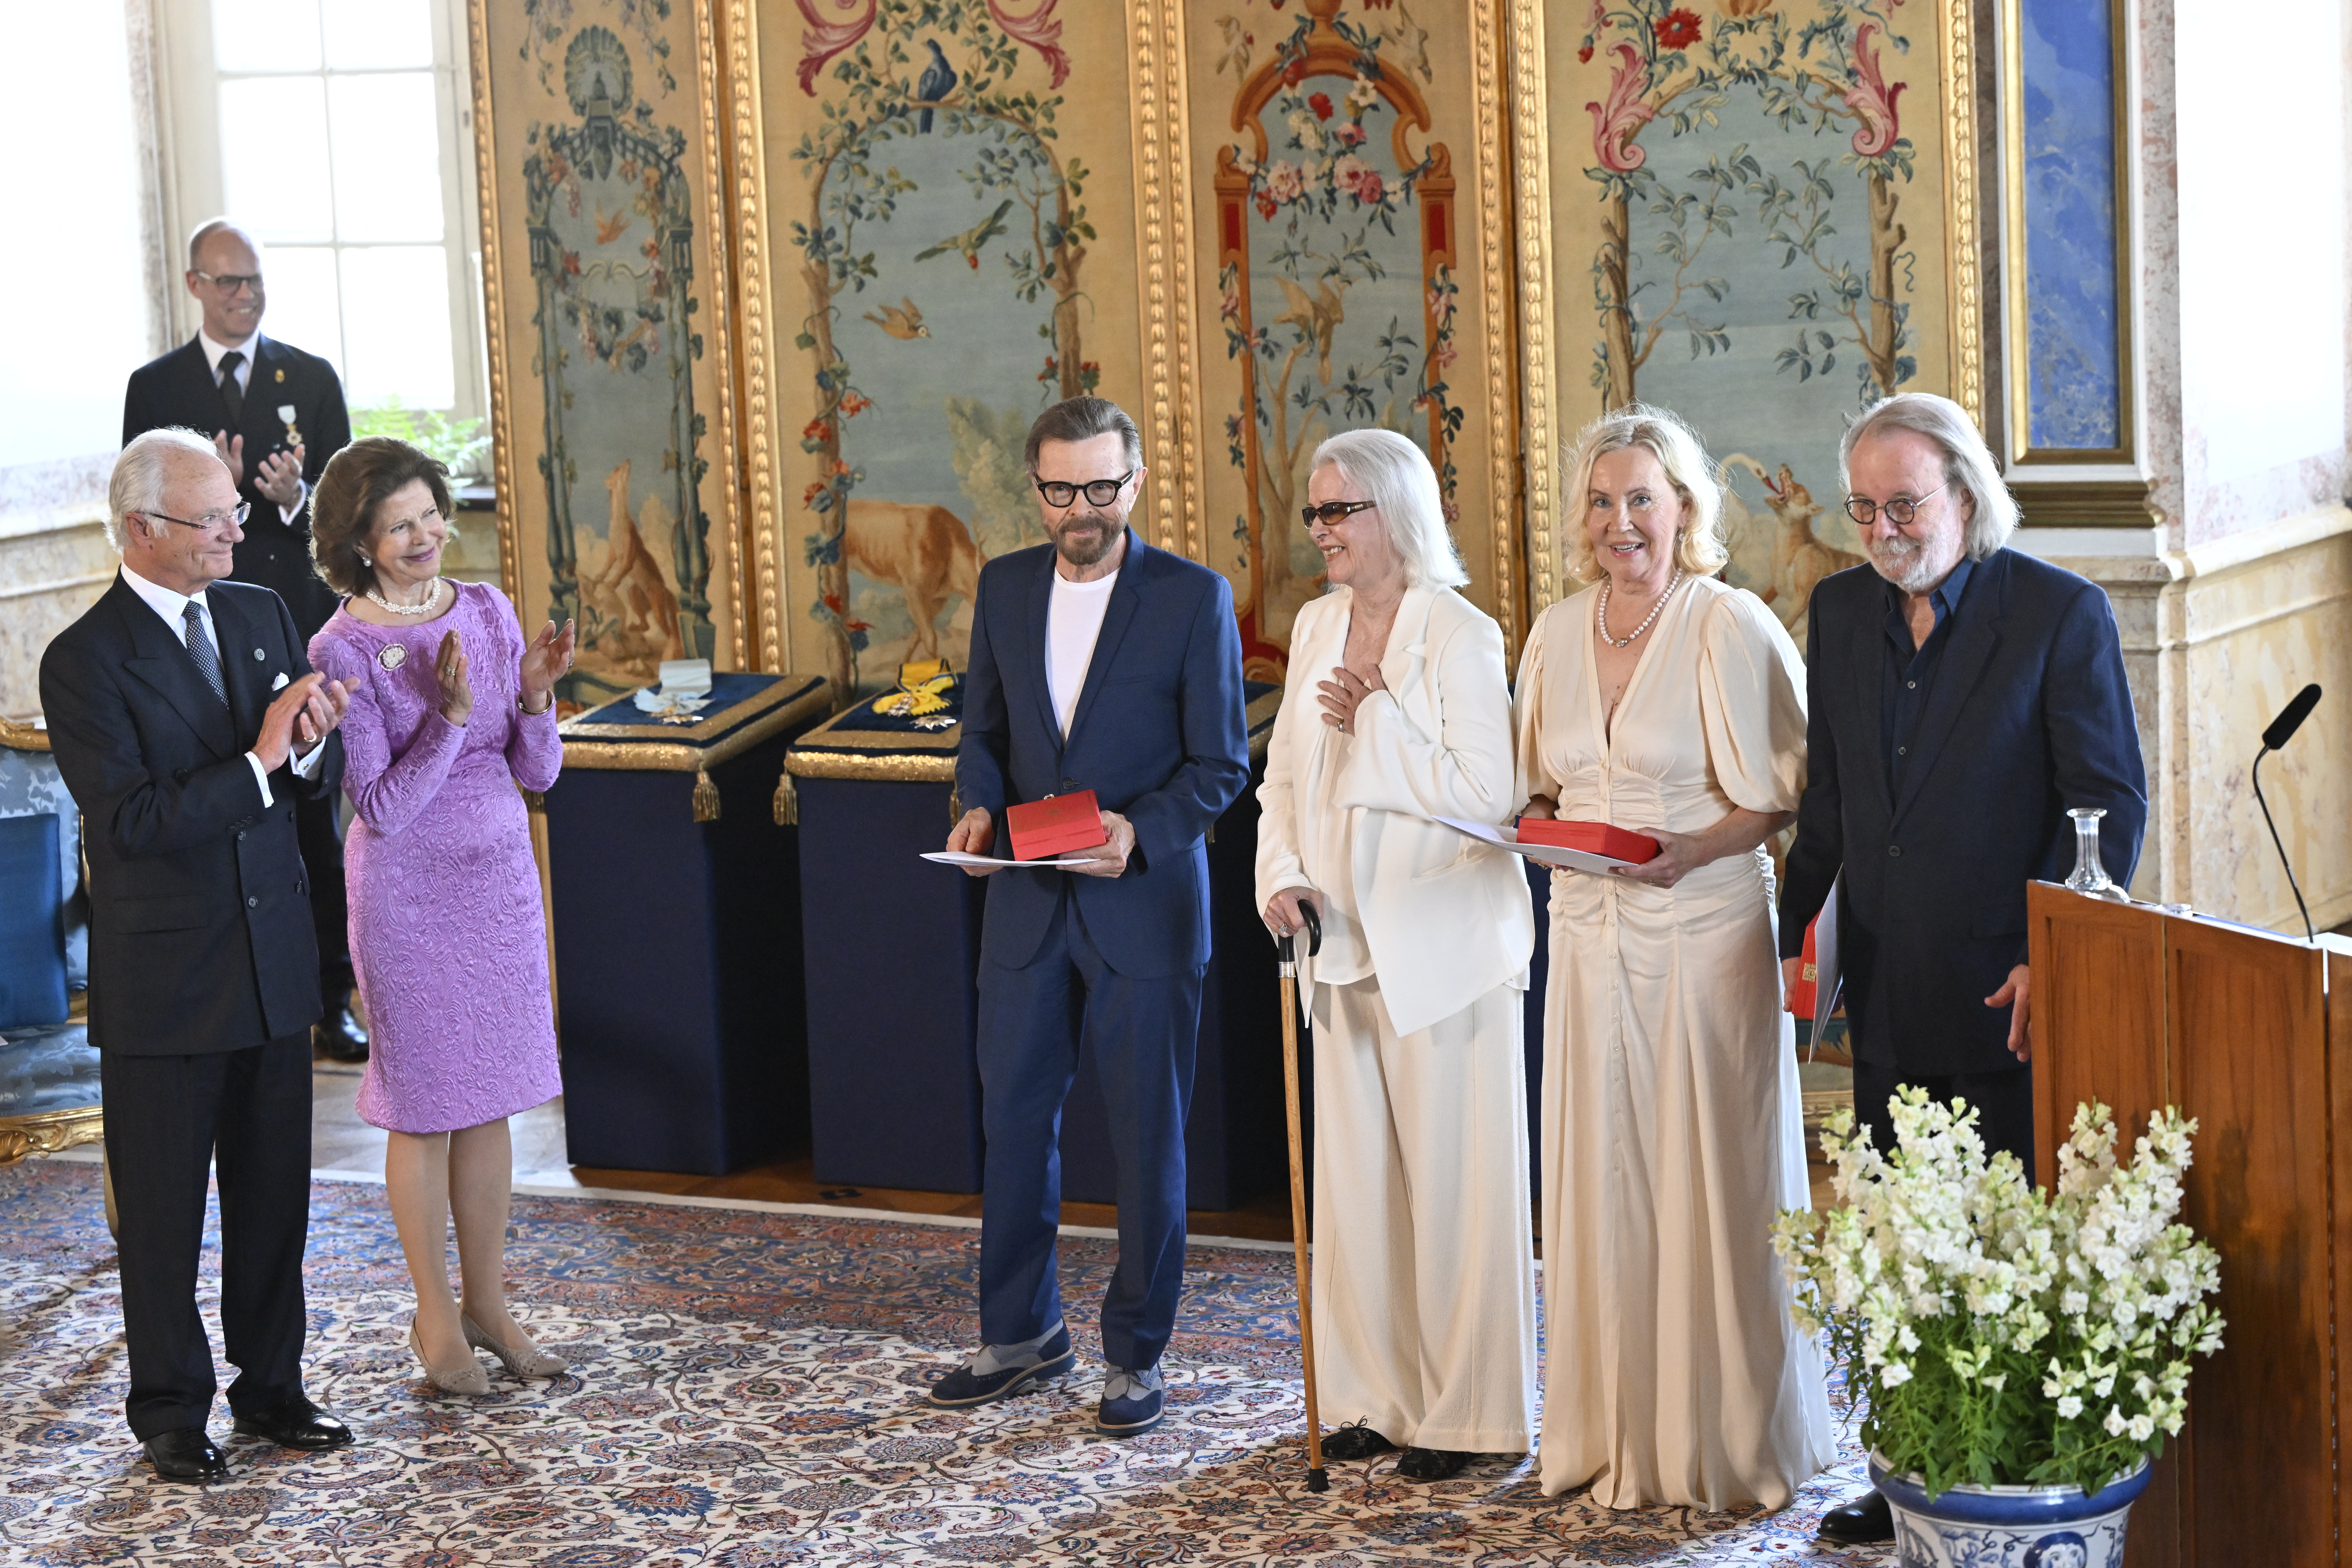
(1600, 615)
(432, 597)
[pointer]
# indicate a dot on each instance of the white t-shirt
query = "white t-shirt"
(1072, 621)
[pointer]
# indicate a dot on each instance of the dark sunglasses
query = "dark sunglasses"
(1099, 492)
(1331, 511)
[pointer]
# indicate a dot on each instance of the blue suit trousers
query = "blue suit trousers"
(1143, 1034)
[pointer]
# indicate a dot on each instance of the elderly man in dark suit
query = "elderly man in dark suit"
(1098, 663)
(186, 722)
(1962, 696)
(275, 414)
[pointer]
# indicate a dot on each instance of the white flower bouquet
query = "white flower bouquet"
(1997, 1335)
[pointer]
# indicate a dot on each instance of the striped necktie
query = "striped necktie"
(201, 649)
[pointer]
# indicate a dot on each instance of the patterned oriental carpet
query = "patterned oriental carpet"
(744, 1394)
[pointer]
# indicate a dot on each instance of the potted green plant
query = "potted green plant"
(2019, 1356)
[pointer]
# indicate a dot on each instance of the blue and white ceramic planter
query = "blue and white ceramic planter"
(2009, 1527)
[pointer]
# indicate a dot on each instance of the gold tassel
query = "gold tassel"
(955, 803)
(706, 798)
(788, 802)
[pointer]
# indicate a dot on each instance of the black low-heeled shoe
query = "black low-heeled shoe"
(186, 1454)
(1433, 1464)
(1355, 1441)
(1860, 1521)
(299, 1425)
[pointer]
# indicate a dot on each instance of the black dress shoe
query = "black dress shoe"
(300, 1425)
(1859, 1521)
(339, 1035)
(186, 1454)
(1354, 1441)
(1433, 1464)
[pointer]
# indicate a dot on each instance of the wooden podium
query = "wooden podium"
(2250, 1034)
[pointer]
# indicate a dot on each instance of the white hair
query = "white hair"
(140, 474)
(1969, 465)
(1699, 547)
(1396, 477)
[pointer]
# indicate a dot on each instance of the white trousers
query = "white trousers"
(1423, 1272)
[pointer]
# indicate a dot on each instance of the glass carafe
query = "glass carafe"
(2090, 873)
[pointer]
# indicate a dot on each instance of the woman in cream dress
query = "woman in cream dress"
(1396, 714)
(1662, 701)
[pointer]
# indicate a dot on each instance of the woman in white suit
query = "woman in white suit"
(1397, 713)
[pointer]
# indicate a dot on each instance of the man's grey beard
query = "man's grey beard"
(1904, 562)
(1078, 556)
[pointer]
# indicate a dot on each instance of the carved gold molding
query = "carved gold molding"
(48, 1132)
(1163, 249)
(747, 183)
(19, 737)
(1966, 291)
(1538, 414)
(718, 330)
(1494, 290)
(494, 299)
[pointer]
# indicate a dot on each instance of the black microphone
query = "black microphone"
(2281, 731)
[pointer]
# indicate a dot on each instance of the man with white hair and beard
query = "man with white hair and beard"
(1961, 697)
(1098, 663)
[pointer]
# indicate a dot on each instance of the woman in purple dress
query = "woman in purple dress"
(450, 710)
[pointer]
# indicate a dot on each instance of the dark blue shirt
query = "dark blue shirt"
(1911, 671)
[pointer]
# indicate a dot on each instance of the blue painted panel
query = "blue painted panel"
(2074, 367)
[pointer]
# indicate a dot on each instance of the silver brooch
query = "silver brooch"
(392, 656)
(258, 656)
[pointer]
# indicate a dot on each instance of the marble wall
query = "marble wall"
(54, 563)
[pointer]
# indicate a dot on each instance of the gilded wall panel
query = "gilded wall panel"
(1761, 213)
(605, 272)
(1351, 211)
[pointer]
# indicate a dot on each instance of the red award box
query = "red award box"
(1803, 996)
(1041, 829)
(1591, 838)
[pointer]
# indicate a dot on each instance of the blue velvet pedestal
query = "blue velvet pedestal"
(676, 929)
(892, 948)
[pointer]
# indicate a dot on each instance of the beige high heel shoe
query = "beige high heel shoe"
(527, 1361)
(467, 1379)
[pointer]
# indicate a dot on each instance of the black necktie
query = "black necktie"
(201, 649)
(232, 394)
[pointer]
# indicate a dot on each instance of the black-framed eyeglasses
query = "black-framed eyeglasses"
(1099, 492)
(230, 282)
(209, 523)
(1900, 512)
(1331, 511)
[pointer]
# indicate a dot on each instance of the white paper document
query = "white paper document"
(1828, 978)
(958, 858)
(1542, 853)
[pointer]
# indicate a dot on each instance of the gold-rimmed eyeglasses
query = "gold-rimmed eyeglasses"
(211, 522)
(1901, 511)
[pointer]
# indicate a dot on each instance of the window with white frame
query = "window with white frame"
(339, 132)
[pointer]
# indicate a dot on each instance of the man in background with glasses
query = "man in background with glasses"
(1960, 696)
(274, 416)
(1098, 663)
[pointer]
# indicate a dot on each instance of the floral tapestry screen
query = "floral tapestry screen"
(608, 345)
(1761, 213)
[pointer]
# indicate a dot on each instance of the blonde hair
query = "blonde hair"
(1699, 547)
(1396, 477)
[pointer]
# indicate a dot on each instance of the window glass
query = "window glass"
(305, 305)
(266, 34)
(387, 152)
(400, 348)
(376, 34)
(274, 170)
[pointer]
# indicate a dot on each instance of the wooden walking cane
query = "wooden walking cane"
(1318, 1477)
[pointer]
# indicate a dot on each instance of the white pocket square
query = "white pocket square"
(279, 684)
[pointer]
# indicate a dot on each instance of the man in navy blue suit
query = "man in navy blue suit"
(1961, 697)
(1098, 663)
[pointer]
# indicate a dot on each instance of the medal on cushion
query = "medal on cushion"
(392, 657)
(293, 435)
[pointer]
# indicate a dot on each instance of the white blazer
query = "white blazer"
(1446, 918)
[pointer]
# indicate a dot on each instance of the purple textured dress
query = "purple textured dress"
(449, 936)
